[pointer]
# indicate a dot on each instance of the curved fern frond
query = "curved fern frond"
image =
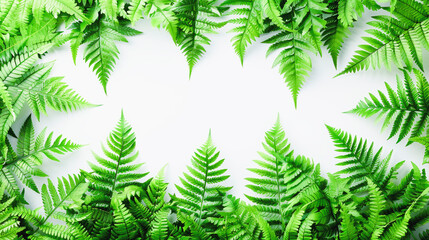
(31, 150)
(114, 172)
(399, 40)
(101, 51)
(269, 186)
(249, 24)
(408, 107)
(194, 22)
(201, 188)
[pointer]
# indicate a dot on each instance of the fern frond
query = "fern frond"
(115, 171)
(408, 107)
(249, 24)
(101, 51)
(241, 221)
(68, 6)
(67, 195)
(202, 188)
(293, 59)
(334, 34)
(194, 23)
(269, 185)
(162, 16)
(359, 161)
(9, 224)
(399, 40)
(29, 155)
(308, 19)
(349, 11)
(109, 8)
(124, 224)
(376, 221)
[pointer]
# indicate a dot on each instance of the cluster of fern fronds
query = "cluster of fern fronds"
(295, 29)
(290, 197)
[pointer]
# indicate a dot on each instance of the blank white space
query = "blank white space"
(171, 115)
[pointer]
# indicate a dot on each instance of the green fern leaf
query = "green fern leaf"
(293, 60)
(349, 11)
(359, 161)
(249, 25)
(101, 51)
(124, 222)
(109, 8)
(269, 187)
(114, 172)
(399, 40)
(407, 107)
(9, 224)
(334, 33)
(201, 188)
(67, 6)
(241, 221)
(162, 16)
(29, 155)
(193, 25)
(67, 195)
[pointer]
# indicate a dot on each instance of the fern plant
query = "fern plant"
(101, 52)
(405, 109)
(202, 190)
(114, 172)
(271, 198)
(22, 164)
(397, 39)
(68, 195)
(194, 23)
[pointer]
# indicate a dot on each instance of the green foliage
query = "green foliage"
(194, 23)
(116, 170)
(405, 109)
(397, 39)
(241, 221)
(101, 51)
(249, 24)
(202, 188)
(291, 198)
(66, 196)
(269, 186)
(22, 164)
(9, 224)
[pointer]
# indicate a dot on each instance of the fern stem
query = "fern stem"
(204, 189)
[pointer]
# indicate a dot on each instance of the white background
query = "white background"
(171, 115)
